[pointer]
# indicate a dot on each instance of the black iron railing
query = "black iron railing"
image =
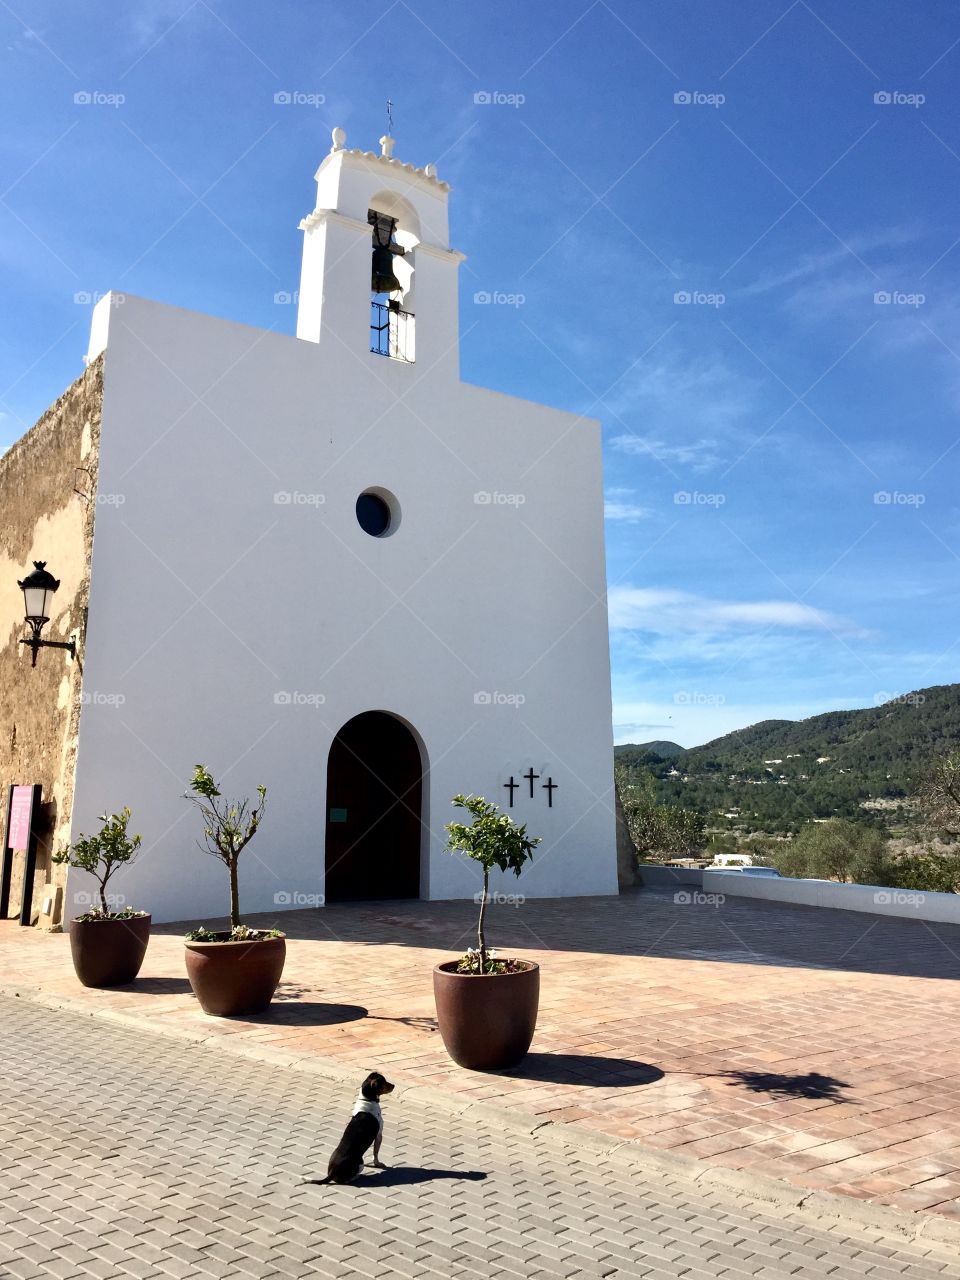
(391, 331)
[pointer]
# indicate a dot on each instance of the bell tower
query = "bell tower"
(379, 277)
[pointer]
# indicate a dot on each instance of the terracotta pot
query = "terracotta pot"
(107, 953)
(487, 1021)
(230, 978)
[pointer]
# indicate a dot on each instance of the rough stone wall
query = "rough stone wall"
(42, 517)
(628, 873)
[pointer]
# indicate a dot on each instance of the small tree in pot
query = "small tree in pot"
(487, 1005)
(238, 970)
(107, 945)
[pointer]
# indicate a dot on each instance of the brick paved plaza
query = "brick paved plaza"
(126, 1153)
(819, 1047)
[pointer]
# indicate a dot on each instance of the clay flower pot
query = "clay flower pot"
(486, 1020)
(231, 978)
(108, 953)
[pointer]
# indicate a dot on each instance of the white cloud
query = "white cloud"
(698, 456)
(666, 612)
(703, 392)
(816, 264)
(693, 410)
(150, 19)
(627, 512)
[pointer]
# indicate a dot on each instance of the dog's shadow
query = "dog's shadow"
(407, 1175)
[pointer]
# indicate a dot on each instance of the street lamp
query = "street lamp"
(38, 589)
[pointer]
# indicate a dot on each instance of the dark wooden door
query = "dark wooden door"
(373, 825)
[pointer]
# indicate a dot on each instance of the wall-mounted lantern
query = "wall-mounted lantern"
(38, 589)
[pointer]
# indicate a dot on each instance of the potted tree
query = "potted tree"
(487, 1005)
(238, 970)
(107, 945)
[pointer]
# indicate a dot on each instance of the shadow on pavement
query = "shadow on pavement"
(811, 1085)
(406, 1175)
(159, 986)
(306, 1013)
(584, 1069)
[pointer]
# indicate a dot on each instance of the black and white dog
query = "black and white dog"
(364, 1127)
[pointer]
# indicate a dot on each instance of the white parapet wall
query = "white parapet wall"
(912, 904)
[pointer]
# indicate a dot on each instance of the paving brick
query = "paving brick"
(182, 1197)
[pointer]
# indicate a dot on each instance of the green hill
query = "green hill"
(781, 773)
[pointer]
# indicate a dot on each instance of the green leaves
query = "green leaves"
(202, 783)
(228, 826)
(111, 847)
(100, 855)
(493, 839)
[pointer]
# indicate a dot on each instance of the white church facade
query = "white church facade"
(326, 564)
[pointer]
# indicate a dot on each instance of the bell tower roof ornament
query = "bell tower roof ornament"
(386, 146)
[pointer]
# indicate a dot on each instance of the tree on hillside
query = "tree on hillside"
(939, 794)
(838, 850)
(657, 830)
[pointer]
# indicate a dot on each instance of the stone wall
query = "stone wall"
(627, 873)
(44, 517)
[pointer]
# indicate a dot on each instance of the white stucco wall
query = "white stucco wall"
(912, 904)
(210, 597)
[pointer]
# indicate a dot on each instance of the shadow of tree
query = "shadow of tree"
(416, 1021)
(583, 1069)
(811, 1085)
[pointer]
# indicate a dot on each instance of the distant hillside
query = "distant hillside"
(665, 750)
(777, 774)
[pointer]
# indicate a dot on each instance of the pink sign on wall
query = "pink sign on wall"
(21, 810)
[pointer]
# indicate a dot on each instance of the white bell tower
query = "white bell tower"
(363, 201)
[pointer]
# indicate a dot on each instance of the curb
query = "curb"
(912, 1227)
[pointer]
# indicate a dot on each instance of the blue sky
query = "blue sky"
(731, 232)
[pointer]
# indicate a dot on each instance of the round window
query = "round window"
(376, 513)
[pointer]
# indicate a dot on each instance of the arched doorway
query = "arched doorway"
(374, 795)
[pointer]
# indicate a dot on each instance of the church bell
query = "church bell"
(383, 279)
